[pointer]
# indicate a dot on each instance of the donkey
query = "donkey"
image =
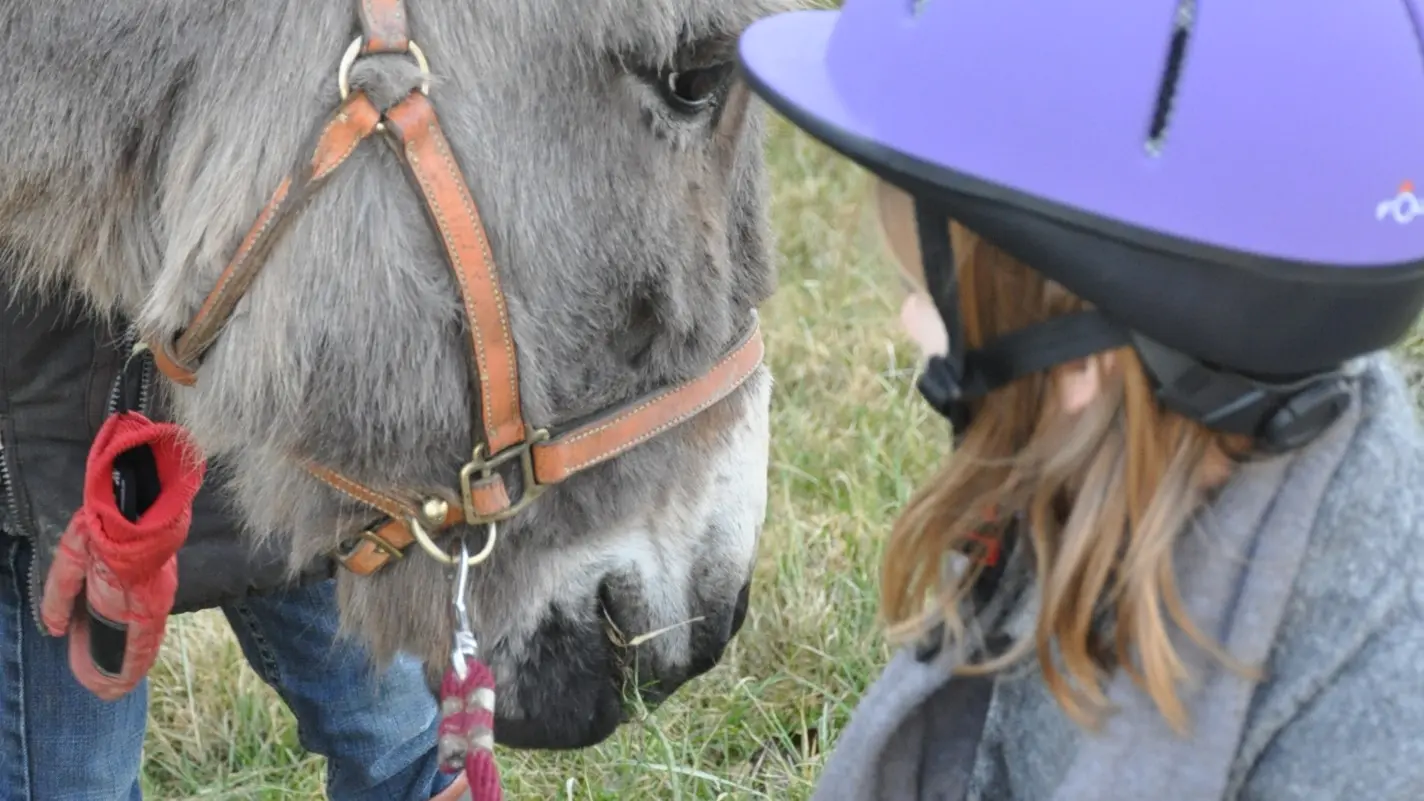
(615, 160)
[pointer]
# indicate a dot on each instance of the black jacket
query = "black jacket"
(57, 371)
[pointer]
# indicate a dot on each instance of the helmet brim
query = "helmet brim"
(783, 58)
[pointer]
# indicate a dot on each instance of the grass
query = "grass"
(848, 444)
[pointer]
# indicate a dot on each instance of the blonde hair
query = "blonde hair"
(1103, 493)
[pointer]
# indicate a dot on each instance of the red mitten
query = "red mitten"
(127, 570)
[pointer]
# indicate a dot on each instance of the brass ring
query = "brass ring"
(343, 75)
(429, 546)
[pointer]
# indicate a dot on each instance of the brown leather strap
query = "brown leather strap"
(384, 26)
(386, 541)
(376, 547)
(452, 210)
(576, 450)
(614, 434)
(388, 538)
(489, 496)
(355, 120)
(392, 507)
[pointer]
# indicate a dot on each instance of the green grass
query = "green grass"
(848, 444)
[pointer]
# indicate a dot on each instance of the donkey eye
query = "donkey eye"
(694, 91)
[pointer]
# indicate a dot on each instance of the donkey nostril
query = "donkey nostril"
(606, 609)
(739, 613)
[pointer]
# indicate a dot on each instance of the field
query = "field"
(847, 446)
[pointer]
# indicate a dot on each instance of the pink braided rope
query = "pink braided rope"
(466, 736)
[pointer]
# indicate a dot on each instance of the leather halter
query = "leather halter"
(544, 458)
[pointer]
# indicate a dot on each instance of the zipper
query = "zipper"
(12, 508)
(130, 338)
(7, 491)
(116, 388)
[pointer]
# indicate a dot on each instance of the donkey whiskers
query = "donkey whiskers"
(616, 636)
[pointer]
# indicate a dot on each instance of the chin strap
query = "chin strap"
(950, 383)
(1031, 350)
(1277, 414)
(943, 383)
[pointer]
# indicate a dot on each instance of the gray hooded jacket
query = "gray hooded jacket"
(57, 369)
(1309, 564)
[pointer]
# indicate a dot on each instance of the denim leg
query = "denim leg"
(57, 740)
(376, 731)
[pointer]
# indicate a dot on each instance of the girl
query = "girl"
(1177, 550)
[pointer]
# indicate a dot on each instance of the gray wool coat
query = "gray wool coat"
(1311, 564)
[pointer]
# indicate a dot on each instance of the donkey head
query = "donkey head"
(616, 165)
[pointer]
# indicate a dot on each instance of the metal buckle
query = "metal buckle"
(346, 551)
(532, 489)
(348, 59)
(429, 546)
(465, 645)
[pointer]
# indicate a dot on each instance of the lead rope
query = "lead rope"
(466, 737)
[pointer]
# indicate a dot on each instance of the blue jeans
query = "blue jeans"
(58, 742)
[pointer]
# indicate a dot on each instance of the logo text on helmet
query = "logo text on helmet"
(1403, 207)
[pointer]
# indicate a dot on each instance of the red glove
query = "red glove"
(127, 570)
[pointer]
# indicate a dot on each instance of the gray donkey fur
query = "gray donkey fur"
(140, 139)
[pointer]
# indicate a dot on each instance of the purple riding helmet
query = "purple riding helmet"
(1229, 184)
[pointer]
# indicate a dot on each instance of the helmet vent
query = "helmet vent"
(1182, 24)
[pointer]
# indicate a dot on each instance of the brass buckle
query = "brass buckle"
(348, 59)
(485, 467)
(348, 549)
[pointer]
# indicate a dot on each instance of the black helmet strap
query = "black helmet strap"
(1278, 415)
